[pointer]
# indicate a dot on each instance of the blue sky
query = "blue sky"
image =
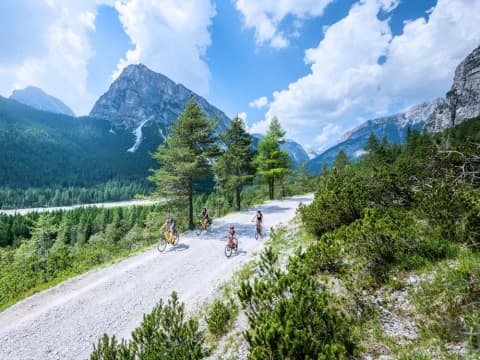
(320, 66)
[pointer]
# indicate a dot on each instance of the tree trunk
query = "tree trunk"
(190, 203)
(237, 190)
(271, 188)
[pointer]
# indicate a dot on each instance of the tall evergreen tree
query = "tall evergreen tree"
(341, 160)
(271, 161)
(185, 158)
(235, 166)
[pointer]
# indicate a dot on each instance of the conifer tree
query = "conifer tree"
(185, 158)
(235, 166)
(271, 161)
(341, 160)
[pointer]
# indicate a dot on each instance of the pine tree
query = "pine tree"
(235, 166)
(185, 158)
(271, 161)
(341, 160)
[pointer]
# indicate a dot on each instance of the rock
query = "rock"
(140, 95)
(463, 100)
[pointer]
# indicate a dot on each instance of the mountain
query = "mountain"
(37, 98)
(147, 104)
(296, 152)
(44, 149)
(394, 128)
(463, 100)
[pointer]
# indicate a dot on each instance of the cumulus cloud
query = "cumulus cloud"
(51, 50)
(346, 80)
(54, 48)
(329, 133)
(243, 116)
(266, 16)
(170, 37)
(259, 103)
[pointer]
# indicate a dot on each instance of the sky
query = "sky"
(321, 66)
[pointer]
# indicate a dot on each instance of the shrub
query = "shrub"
(290, 317)
(220, 317)
(163, 334)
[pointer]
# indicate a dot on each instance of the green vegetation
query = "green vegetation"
(290, 318)
(39, 250)
(184, 158)
(272, 162)
(220, 317)
(46, 150)
(165, 333)
(112, 190)
(235, 167)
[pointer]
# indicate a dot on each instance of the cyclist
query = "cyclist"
(169, 226)
(204, 217)
(258, 218)
(231, 236)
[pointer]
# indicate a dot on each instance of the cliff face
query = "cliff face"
(140, 95)
(463, 100)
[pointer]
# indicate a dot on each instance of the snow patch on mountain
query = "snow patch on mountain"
(138, 135)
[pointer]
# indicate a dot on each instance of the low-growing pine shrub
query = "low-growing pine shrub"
(220, 317)
(164, 334)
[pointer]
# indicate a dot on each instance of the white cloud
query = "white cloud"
(55, 49)
(170, 37)
(243, 116)
(346, 81)
(259, 103)
(259, 127)
(266, 16)
(51, 50)
(329, 132)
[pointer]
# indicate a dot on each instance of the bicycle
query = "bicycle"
(168, 238)
(202, 226)
(232, 245)
(258, 230)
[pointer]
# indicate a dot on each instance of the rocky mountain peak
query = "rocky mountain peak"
(140, 95)
(38, 99)
(463, 100)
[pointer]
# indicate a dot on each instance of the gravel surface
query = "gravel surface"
(65, 321)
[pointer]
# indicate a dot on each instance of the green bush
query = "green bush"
(291, 317)
(165, 333)
(220, 317)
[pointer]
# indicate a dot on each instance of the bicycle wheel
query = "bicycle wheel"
(228, 251)
(199, 229)
(162, 245)
(235, 241)
(176, 238)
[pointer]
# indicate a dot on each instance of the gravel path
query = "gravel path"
(65, 321)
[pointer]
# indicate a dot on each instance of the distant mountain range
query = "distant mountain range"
(462, 102)
(44, 147)
(38, 99)
(394, 128)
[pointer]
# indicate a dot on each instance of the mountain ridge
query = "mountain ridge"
(393, 127)
(37, 98)
(141, 98)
